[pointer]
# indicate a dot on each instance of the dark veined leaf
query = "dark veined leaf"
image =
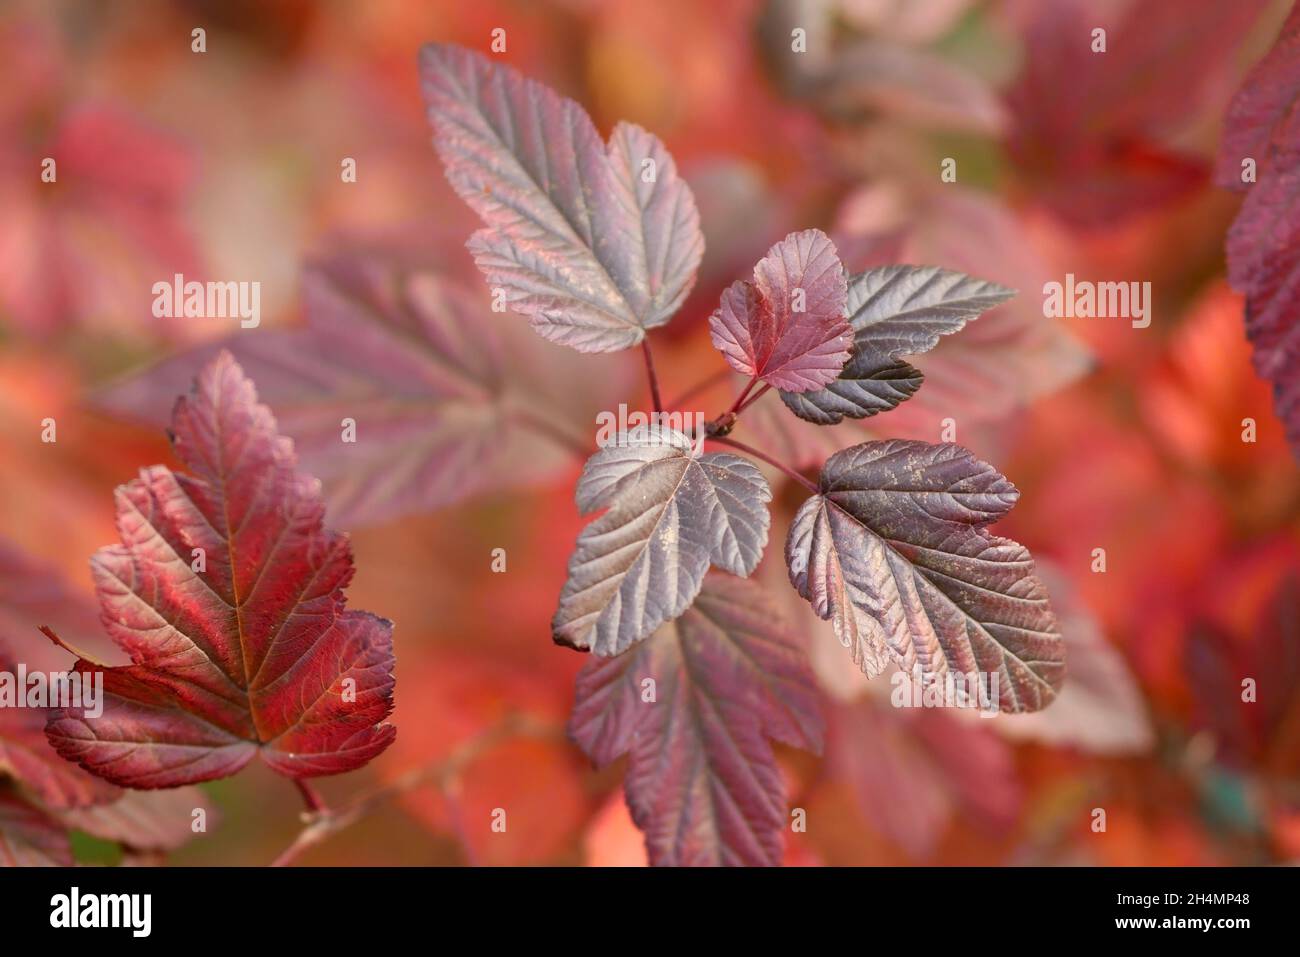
(693, 707)
(787, 327)
(1264, 241)
(29, 837)
(594, 244)
(671, 512)
(227, 594)
(894, 311)
(893, 552)
(443, 393)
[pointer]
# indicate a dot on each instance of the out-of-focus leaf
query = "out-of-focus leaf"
(1012, 355)
(787, 327)
(594, 245)
(846, 75)
(912, 771)
(1246, 675)
(1092, 129)
(27, 757)
(1264, 240)
(670, 514)
(144, 820)
(1099, 709)
(227, 593)
(693, 707)
(893, 552)
(28, 836)
(894, 311)
(446, 396)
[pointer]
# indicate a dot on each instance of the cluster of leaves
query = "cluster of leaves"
(598, 243)
(1262, 137)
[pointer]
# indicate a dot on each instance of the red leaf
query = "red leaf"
(253, 653)
(788, 326)
(1094, 130)
(702, 782)
(1264, 241)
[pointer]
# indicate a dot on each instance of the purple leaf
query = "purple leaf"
(670, 514)
(1264, 241)
(787, 327)
(893, 552)
(693, 707)
(444, 394)
(594, 245)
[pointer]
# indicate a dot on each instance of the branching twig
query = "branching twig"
(324, 822)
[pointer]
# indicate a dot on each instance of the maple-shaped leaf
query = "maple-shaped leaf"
(445, 395)
(671, 512)
(595, 244)
(787, 327)
(894, 311)
(30, 837)
(1264, 240)
(227, 594)
(892, 550)
(693, 707)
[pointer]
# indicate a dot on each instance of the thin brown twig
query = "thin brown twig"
(324, 823)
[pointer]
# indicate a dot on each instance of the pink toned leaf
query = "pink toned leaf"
(788, 327)
(251, 651)
(893, 552)
(594, 245)
(914, 772)
(28, 836)
(702, 782)
(444, 393)
(144, 820)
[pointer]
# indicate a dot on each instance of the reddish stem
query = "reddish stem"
(650, 372)
(753, 398)
(749, 450)
(315, 803)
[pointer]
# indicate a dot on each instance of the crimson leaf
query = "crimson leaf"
(594, 244)
(670, 513)
(693, 708)
(787, 327)
(892, 550)
(1264, 241)
(227, 594)
(894, 311)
